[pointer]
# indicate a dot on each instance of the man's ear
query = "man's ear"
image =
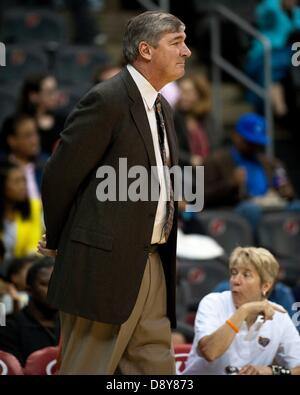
(145, 50)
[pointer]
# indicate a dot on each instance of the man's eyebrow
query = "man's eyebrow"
(178, 37)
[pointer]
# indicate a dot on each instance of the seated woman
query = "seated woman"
(240, 330)
(20, 217)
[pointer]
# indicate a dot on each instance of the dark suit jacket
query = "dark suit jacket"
(103, 246)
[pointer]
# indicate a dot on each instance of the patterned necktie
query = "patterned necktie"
(161, 128)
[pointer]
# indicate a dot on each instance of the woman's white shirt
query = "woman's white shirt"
(260, 345)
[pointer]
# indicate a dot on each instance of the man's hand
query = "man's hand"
(43, 250)
(255, 370)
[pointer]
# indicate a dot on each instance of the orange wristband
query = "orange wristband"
(232, 326)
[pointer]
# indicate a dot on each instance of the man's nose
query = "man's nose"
(186, 51)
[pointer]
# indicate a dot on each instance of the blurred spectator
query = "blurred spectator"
(178, 338)
(193, 106)
(40, 99)
(14, 292)
(171, 93)
(86, 26)
(20, 217)
(22, 145)
(17, 272)
(2, 253)
(37, 325)
(106, 72)
(244, 177)
(279, 21)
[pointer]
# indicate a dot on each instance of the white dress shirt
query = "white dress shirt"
(260, 345)
(149, 95)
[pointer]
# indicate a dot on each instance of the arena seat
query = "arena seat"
(21, 61)
(181, 354)
(42, 362)
(198, 278)
(77, 64)
(228, 228)
(9, 365)
(31, 26)
(280, 232)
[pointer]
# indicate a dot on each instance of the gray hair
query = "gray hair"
(148, 26)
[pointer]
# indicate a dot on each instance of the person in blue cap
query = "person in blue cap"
(243, 177)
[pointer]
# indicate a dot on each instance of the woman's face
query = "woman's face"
(16, 190)
(48, 95)
(188, 95)
(245, 284)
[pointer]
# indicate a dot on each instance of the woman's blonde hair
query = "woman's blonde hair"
(264, 262)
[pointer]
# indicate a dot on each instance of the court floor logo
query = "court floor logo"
(2, 314)
(2, 54)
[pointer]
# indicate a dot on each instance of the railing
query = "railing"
(219, 63)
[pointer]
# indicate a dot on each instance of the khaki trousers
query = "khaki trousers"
(142, 345)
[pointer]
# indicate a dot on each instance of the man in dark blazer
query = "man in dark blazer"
(114, 276)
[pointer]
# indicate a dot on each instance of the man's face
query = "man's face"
(169, 56)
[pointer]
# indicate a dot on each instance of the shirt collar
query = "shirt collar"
(148, 93)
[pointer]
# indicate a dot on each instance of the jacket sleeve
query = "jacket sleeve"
(84, 140)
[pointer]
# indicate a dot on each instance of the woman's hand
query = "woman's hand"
(43, 250)
(263, 307)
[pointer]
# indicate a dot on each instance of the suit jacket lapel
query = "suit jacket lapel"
(141, 120)
(139, 115)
